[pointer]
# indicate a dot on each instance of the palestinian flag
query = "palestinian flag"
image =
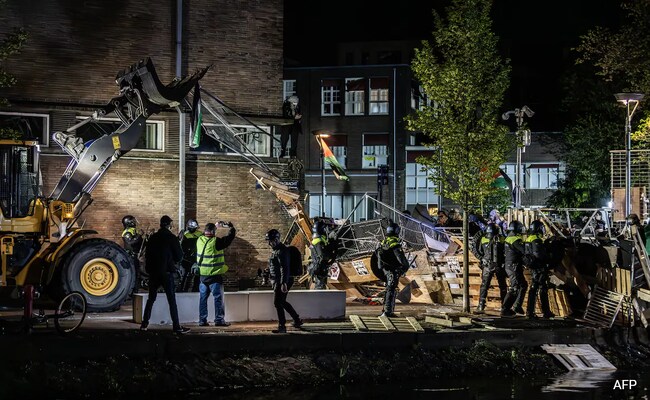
(337, 169)
(196, 122)
(502, 180)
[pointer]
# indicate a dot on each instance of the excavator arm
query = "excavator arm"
(142, 94)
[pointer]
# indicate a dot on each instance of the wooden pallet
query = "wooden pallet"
(381, 323)
(603, 307)
(581, 357)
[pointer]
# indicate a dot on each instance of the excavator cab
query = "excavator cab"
(19, 178)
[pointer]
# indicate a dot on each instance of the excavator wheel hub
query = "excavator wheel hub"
(99, 276)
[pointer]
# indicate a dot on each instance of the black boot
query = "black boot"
(480, 309)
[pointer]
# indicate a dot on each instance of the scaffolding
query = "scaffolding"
(640, 181)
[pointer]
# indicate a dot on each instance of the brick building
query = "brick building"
(67, 68)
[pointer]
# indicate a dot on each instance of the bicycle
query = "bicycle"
(68, 316)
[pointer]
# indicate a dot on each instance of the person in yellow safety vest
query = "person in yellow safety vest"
(211, 265)
(536, 259)
(393, 262)
(133, 240)
(189, 236)
(514, 252)
(323, 255)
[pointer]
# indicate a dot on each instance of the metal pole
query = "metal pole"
(628, 162)
(518, 177)
(322, 178)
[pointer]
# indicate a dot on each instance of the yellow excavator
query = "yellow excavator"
(42, 246)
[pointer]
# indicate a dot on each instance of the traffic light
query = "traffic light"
(382, 175)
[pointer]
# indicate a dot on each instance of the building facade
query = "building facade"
(67, 67)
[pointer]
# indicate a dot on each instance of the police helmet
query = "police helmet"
(537, 227)
(633, 219)
(165, 221)
(392, 229)
(210, 229)
(129, 221)
(516, 227)
(318, 228)
(192, 225)
(492, 230)
(273, 234)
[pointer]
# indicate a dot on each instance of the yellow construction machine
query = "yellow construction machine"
(42, 247)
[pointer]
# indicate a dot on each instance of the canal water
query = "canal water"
(577, 385)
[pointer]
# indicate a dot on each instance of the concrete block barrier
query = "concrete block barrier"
(254, 305)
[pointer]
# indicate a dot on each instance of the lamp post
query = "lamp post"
(319, 135)
(523, 140)
(631, 102)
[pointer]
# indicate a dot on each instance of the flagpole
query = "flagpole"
(320, 134)
(322, 176)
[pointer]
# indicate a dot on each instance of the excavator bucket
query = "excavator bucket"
(142, 75)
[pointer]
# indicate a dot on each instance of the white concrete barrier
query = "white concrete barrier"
(254, 305)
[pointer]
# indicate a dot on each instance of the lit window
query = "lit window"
(355, 96)
(288, 88)
(28, 126)
(375, 150)
(151, 140)
(341, 206)
(257, 141)
(419, 187)
(378, 95)
(330, 97)
(543, 176)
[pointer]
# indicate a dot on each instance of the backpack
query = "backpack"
(295, 257)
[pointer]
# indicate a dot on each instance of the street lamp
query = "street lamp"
(523, 140)
(631, 102)
(319, 135)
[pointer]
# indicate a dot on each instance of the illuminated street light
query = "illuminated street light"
(523, 140)
(631, 102)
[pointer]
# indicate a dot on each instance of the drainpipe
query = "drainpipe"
(181, 118)
(394, 139)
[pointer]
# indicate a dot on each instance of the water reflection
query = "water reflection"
(595, 385)
(581, 381)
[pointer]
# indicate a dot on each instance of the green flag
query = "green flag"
(337, 168)
(197, 118)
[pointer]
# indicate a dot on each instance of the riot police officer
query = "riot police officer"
(490, 251)
(393, 263)
(323, 254)
(513, 252)
(536, 259)
(188, 244)
(133, 241)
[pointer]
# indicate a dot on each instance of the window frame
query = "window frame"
(352, 100)
(45, 142)
(267, 129)
(334, 93)
(374, 154)
(286, 92)
(379, 93)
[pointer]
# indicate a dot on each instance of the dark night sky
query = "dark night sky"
(536, 35)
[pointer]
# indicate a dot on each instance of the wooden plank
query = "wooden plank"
(387, 324)
(578, 357)
(439, 321)
(358, 323)
(643, 294)
(415, 324)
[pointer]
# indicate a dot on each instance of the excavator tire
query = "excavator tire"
(102, 271)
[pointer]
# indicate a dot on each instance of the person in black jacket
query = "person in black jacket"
(513, 250)
(281, 280)
(392, 260)
(163, 253)
(490, 251)
(536, 259)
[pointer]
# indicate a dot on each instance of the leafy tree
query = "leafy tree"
(608, 61)
(11, 45)
(462, 71)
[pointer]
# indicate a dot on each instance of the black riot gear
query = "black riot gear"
(393, 229)
(129, 221)
(192, 225)
(537, 228)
